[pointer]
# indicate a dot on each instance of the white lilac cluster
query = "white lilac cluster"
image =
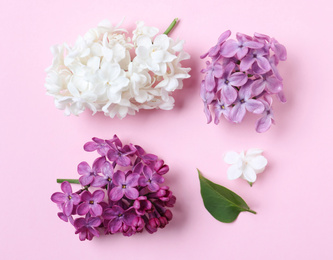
(99, 73)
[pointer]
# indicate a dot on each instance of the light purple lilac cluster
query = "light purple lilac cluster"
(242, 76)
(128, 192)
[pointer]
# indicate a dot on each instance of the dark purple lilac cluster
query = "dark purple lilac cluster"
(242, 76)
(128, 193)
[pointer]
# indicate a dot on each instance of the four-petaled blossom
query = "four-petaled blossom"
(101, 181)
(264, 123)
(146, 158)
(88, 173)
(240, 48)
(118, 217)
(259, 56)
(154, 55)
(213, 70)
(86, 227)
(98, 144)
(150, 179)
(91, 203)
(245, 165)
(120, 154)
(245, 102)
(220, 107)
(67, 199)
(228, 81)
(124, 186)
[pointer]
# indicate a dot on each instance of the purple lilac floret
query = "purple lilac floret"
(65, 200)
(242, 77)
(128, 193)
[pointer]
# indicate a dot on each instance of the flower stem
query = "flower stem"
(69, 180)
(171, 26)
(252, 211)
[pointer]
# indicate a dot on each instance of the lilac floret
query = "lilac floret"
(86, 227)
(150, 179)
(106, 179)
(118, 218)
(120, 155)
(88, 173)
(245, 102)
(90, 203)
(124, 186)
(98, 144)
(66, 200)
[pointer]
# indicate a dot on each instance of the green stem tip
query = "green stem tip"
(69, 180)
(252, 211)
(171, 26)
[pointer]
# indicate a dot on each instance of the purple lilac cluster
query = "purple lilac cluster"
(242, 77)
(128, 195)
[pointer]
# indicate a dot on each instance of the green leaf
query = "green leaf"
(221, 203)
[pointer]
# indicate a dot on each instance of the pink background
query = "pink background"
(293, 197)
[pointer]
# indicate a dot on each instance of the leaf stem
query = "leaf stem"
(69, 180)
(171, 26)
(252, 211)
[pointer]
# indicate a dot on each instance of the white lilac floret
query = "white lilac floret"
(241, 77)
(99, 74)
(245, 165)
(128, 193)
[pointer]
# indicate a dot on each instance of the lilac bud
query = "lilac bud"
(129, 232)
(142, 205)
(154, 222)
(124, 228)
(171, 202)
(168, 214)
(163, 221)
(150, 229)
(138, 224)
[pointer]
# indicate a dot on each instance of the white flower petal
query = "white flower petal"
(178, 46)
(258, 162)
(158, 56)
(93, 63)
(254, 152)
(162, 41)
(249, 174)
(234, 172)
(105, 23)
(144, 41)
(231, 157)
(142, 52)
(122, 112)
(150, 31)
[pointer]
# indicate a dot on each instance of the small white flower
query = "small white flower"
(154, 55)
(141, 29)
(173, 78)
(245, 165)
